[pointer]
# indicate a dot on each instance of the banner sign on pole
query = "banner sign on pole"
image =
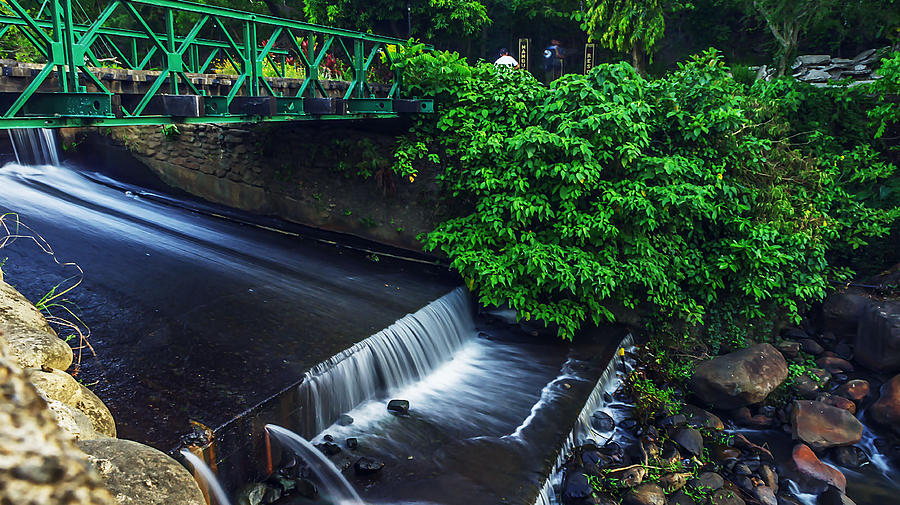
(590, 57)
(524, 51)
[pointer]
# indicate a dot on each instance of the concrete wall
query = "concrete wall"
(304, 172)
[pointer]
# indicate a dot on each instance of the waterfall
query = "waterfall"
(208, 476)
(399, 355)
(34, 146)
(607, 384)
(331, 482)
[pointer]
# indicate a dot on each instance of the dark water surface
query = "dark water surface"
(196, 317)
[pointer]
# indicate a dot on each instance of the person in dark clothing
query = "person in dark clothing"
(553, 61)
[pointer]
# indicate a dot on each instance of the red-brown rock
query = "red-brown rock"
(811, 475)
(743, 417)
(823, 426)
(886, 411)
(834, 364)
(855, 390)
(837, 401)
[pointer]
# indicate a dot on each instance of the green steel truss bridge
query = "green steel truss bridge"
(158, 62)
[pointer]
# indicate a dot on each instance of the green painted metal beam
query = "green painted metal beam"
(67, 122)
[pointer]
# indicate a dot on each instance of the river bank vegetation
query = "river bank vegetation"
(690, 198)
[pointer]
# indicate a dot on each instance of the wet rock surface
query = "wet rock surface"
(739, 378)
(878, 337)
(811, 474)
(886, 411)
(822, 426)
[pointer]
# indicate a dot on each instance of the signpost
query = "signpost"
(590, 57)
(524, 52)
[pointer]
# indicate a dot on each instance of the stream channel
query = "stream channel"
(200, 317)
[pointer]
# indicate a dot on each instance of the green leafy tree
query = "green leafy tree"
(430, 19)
(608, 191)
(788, 21)
(632, 26)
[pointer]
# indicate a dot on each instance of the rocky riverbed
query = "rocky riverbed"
(809, 418)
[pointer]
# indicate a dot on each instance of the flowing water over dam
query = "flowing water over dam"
(195, 317)
(209, 322)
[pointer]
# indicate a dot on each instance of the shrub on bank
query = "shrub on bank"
(682, 194)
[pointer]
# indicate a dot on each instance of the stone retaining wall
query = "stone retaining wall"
(307, 172)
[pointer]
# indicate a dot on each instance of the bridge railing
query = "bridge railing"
(179, 39)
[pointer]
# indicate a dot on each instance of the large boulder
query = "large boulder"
(62, 387)
(810, 474)
(823, 426)
(31, 348)
(73, 421)
(39, 463)
(17, 312)
(739, 378)
(886, 411)
(878, 337)
(140, 475)
(647, 493)
(841, 312)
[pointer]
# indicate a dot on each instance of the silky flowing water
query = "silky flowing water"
(204, 322)
(194, 318)
(199, 322)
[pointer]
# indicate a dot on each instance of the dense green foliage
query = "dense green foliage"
(610, 191)
(629, 26)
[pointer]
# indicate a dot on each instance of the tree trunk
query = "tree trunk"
(788, 48)
(637, 59)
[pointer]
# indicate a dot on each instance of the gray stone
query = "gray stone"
(833, 496)
(726, 497)
(690, 439)
(878, 337)
(815, 75)
(841, 312)
(739, 378)
(708, 480)
(850, 457)
(398, 406)
(813, 59)
(367, 466)
(602, 422)
(868, 53)
(811, 346)
(140, 475)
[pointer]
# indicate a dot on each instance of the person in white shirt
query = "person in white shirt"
(506, 59)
